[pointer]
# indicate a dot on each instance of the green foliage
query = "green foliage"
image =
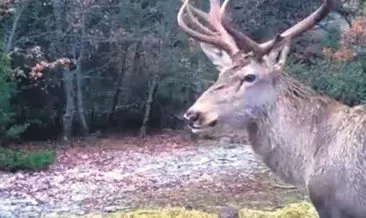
(8, 129)
(331, 39)
(14, 132)
(6, 89)
(11, 160)
(344, 81)
(341, 78)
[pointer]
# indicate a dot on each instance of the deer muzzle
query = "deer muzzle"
(199, 119)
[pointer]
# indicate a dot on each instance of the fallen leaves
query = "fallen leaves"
(120, 173)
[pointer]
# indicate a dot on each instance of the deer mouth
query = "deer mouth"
(199, 128)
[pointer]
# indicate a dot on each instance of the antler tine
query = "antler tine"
(304, 24)
(223, 7)
(192, 33)
(216, 16)
(213, 19)
(243, 41)
(188, 30)
(247, 44)
(214, 13)
(200, 13)
(219, 37)
(190, 10)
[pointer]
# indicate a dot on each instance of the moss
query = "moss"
(296, 210)
(166, 213)
(157, 213)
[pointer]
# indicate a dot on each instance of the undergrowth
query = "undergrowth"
(12, 160)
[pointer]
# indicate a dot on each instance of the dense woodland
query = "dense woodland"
(73, 68)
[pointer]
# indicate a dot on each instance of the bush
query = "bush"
(341, 72)
(345, 80)
(8, 129)
(11, 160)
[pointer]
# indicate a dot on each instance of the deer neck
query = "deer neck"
(288, 134)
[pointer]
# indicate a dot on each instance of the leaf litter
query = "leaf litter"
(125, 173)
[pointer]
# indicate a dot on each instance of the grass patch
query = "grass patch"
(12, 160)
(295, 210)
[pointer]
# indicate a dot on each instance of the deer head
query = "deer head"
(249, 72)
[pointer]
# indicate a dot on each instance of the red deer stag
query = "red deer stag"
(310, 140)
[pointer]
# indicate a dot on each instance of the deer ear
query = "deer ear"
(218, 57)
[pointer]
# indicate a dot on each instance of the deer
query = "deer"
(308, 139)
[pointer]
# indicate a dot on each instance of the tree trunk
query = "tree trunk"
(68, 116)
(124, 77)
(136, 58)
(121, 75)
(10, 39)
(149, 101)
(67, 75)
(79, 87)
(80, 104)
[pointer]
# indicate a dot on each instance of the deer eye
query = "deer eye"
(249, 78)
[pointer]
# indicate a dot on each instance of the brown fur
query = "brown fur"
(315, 142)
(308, 139)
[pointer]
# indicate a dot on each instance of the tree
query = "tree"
(9, 130)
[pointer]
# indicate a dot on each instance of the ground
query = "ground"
(124, 173)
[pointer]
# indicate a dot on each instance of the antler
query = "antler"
(221, 34)
(261, 49)
(215, 33)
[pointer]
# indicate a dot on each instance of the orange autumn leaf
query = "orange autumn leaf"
(350, 40)
(37, 70)
(343, 54)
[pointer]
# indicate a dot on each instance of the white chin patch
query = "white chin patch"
(201, 130)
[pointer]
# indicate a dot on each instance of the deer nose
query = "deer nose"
(192, 116)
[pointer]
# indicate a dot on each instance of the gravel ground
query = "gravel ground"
(119, 179)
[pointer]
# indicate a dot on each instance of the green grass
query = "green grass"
(11, 160)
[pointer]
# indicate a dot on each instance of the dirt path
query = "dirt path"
(117, 175)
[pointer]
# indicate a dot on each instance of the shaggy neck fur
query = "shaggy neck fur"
(289, 134)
